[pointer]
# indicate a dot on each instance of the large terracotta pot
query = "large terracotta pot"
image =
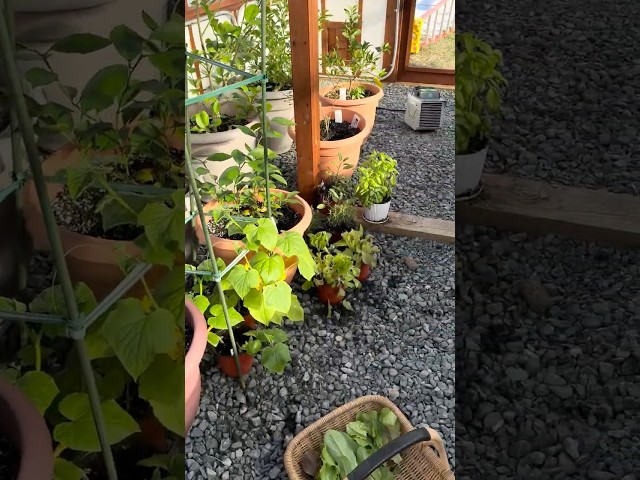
(21, 422)
(349, 148)
(365, 107)
(91, 260)
(227, 250)
(192, 380)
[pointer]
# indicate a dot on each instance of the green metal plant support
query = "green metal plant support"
(249, 78)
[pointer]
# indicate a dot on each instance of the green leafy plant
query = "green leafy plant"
(377, 178)
(342, 216)
(477, 92)
(278, 46)
(335, 269)
(362, 60)
(343, 451)
(203, 122)
(137, 346)
(362, 247)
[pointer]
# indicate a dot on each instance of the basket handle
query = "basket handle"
(391, 449)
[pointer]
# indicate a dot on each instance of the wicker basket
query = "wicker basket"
(419, 462)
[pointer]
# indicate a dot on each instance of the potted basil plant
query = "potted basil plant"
(477, 101)
(377, 180)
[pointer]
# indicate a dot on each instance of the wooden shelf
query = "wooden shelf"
(413, 226)
(538, 207)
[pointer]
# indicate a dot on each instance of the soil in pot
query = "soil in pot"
(289, 219)
(336, 131)
(188, 337)
(328, 294)
(9, 459)
(227, 123)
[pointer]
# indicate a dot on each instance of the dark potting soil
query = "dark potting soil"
(288, 219)
(335, 94)
(188, 337)
(224, 347)
(166, 179)
(337, 131)
(227, 123)
(9, 459)
(79, 216)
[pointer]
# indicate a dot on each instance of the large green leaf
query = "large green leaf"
(80, 43)
(40, 387)
(103, 88)
(80, 432)
(162, 225)
(278, 296)
(127, 42)
(291, 244)
(39, 77)
(243, 280)
(275, 358)
(263, 233)
(217, 319)
(162, 385)
(137, 336)
(79, 177)
(296, 312)
(342, 449)
(258, 307)
(65, 470)
(270, 267)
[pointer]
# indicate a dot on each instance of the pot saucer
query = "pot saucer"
(379, 222)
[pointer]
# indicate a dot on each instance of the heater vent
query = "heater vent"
(424, 109)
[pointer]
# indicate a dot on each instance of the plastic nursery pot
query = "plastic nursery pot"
(227, 365)
(250, 322)
(227, 249)
(91, 260)
(192, 380)
(281, 106)
(23, 425)
(365, 107)
(330, 295)
(365, 271)
(378, 212)
(469, 170)
(349, 148)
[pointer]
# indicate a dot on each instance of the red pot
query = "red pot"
(365, 271)
(250, 322)
(154, 434)
(335, 237)
(330, 295)
(227, 365)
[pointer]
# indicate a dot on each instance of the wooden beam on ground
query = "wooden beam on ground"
(413, 226)
(303, 16)
(539, 207)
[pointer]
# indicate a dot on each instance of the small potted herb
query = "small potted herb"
(378, 176)
(354, 94)
(479, 84)
(363, 249)
(337, 273)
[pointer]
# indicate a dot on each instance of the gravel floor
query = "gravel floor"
(425, 159)
(399, 343)
(571, 113)
(548, 358)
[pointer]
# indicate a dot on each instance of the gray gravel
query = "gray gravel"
(548, 357)
(399, 343)
(426, 184)
(571, 110)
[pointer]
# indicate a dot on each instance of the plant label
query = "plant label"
(355, 121)
(338, 116)
(343, 94)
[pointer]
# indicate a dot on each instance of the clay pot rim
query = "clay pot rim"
(33, 436)
(378, 93)
(360, 137)
(199, 342)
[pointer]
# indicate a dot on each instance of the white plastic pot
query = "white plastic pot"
(378, 212)
(281, 106)
(469, 171)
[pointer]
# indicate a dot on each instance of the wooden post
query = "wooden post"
(303, 15)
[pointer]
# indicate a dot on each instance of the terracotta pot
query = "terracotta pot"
(227, 249)
(365, 107)
(91, 260)
(154, 434)
(365, 271)
(227, 365)
(21, 422)
(192, 380)
(250, 322)
(330, 295)
(349, 148)
(335, 237)
(281, 106)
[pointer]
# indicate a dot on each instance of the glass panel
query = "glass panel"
(433, 38)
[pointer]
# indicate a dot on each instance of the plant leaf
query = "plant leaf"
(292, 244)
(103, 88)
(275, 358)
(65, 470)
(264, 233)
(39, 77)
(127, 41)
(162, 384)
(342, 449)
(278, 296)
(243, 279)
(41, 389)
(80, 43)
(270, 268)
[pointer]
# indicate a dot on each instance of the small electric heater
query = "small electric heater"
(425, 109)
